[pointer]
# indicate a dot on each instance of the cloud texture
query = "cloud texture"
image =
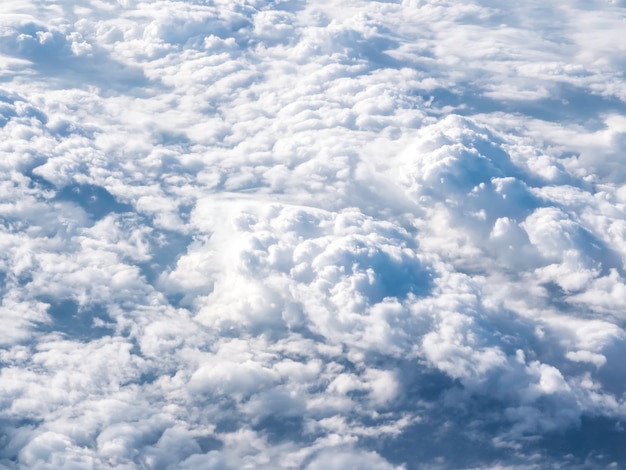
(297, 234)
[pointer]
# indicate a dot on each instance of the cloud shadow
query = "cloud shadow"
(94, 200)
(567, 104)
(52, 57)
(74, 322)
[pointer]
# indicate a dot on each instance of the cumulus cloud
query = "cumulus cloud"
(280, 234)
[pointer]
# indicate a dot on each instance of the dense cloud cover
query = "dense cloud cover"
(321, 235)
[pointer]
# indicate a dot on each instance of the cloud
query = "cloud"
(291, 235)
(338, 460)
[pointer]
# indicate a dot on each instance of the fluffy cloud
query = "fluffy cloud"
(291, 235)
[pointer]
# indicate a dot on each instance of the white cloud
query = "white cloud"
(289, 234)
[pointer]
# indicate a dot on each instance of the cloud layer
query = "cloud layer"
(291, 234)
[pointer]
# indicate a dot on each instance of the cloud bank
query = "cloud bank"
(291, 234)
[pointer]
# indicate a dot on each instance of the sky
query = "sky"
(312, 234)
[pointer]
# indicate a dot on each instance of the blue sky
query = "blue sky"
(298, 234)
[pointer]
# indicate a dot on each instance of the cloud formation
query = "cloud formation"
(281, 234)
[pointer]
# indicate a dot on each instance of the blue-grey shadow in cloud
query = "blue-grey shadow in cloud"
(461, 434)
(291, 6)
(598, 442)
(12, 431)
(398, 280)
(95, 200)
(279, 429)
(37, 181)
(465, 438)
(166, 247)
(600, 252)
(52, 57)
(389, 277)
(374, 50)
(567, 104)
(74, 322)
(8, 109)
